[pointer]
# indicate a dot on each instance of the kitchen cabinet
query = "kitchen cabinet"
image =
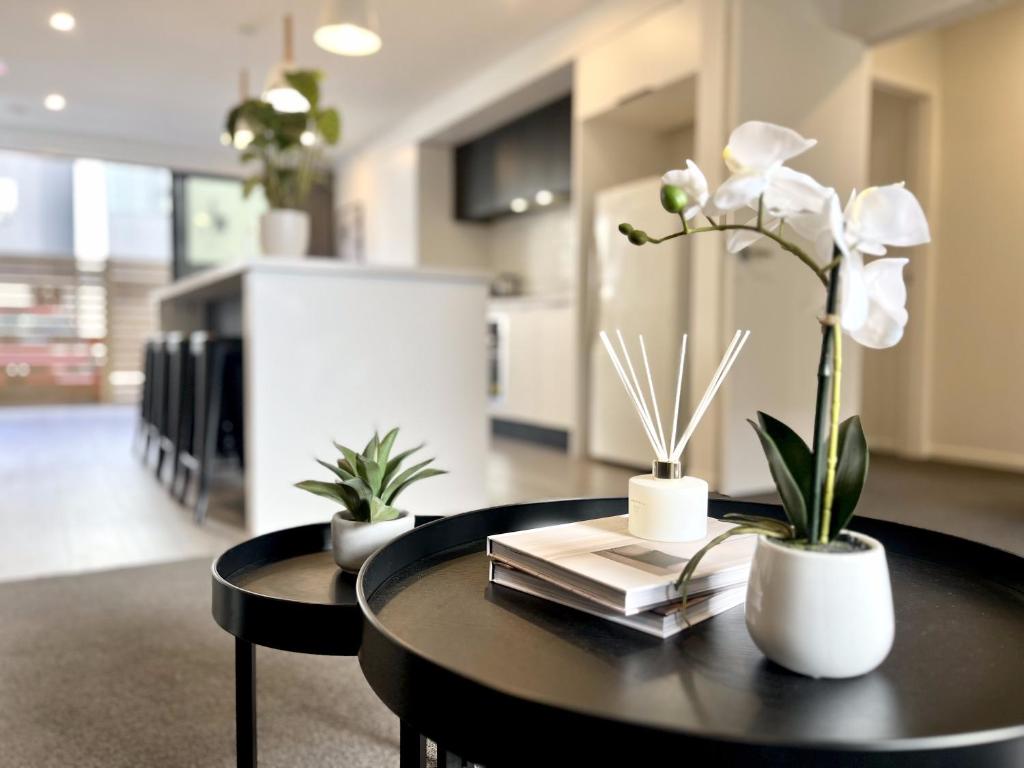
(517, 160)
(536, 357)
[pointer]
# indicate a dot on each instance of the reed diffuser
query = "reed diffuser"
(666, 505)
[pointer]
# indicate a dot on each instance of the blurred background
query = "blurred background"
(493, 145)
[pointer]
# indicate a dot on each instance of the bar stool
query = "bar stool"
(157, 401)
(211, 422)
(168, 392)
(143, 430)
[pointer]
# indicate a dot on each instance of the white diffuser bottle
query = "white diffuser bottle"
(665, 506)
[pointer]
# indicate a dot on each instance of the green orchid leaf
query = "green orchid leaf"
(792, 496)
(399, 487)
(794, 451)
(384, 451)
(683, 582)
(851, 472)
(783, 528)
(306, 82)
(321, 488)
(328, 122)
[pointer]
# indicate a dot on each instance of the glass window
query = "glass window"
(218, 225)
(35, 205)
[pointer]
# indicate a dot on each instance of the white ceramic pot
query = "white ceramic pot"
(284, 232)
(668, 510)
(818, 613)
(353, 541)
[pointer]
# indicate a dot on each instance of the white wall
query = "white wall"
(978, 374)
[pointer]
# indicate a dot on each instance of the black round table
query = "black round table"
(283, 590)
(506, 679)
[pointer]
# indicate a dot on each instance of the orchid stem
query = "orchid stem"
(833, 439)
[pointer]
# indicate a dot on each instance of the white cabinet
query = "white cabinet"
(536, 355)
(650, 54)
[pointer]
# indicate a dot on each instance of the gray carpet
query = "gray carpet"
(127, 668)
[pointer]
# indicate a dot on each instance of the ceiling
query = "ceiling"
(166, 72)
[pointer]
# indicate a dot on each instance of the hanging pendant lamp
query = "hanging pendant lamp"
(277, 92)
(348, 28)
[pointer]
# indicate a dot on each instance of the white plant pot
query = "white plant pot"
(818, 613)
(668, 510)
(353, 541)
(284, 232)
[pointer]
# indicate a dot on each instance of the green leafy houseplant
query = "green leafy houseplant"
(287, 145)
(368, 483)
(819, 484)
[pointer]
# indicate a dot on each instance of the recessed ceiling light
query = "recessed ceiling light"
(62, 21)
(55, 102)
(518, 204)
(544, 197)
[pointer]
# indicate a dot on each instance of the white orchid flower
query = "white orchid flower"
(881, 216)
(755, 155)
(694, 186)
(887, 304)
(873, 297)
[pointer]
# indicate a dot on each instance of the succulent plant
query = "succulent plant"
(368, 483)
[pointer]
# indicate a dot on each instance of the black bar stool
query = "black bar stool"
(143, 431)
(169, 403)
(211, 423)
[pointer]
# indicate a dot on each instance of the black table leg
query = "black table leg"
(412, 748)
(245, 703)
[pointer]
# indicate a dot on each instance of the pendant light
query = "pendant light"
(278, 93)
(348, 28)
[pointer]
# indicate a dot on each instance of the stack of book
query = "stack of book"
(597, 567)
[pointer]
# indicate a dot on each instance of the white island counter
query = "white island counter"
(334, 351)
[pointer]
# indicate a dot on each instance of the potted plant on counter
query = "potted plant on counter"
(367, 485)
(819, 600)
(288, 148)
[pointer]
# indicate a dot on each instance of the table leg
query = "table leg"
(245, 703)
(412, 748)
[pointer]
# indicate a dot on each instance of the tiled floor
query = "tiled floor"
(74, 497)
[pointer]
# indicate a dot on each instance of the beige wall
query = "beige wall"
(978, 411)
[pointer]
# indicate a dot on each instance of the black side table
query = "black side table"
(282, 590)
(506, 679)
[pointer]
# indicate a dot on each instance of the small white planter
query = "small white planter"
(821, 614)
(668, 510)
(353, 541)
(284, 232)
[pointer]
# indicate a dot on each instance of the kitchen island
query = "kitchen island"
(333, 351)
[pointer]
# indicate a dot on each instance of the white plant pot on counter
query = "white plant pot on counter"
(284, 232)
(668, 509)
(821, 614)
(353, 541)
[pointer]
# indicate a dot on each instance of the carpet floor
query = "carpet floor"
(128, 668)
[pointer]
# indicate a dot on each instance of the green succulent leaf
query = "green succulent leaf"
(321, 488)
(350, 457)
(793, 500)
(386, 444)
(341, 472)
(851, 472)
(396, 462)
(371, 472)
(399, 487)
(401, 478)
(370, 451)
(381, 512)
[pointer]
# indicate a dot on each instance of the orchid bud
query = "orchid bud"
(673, 199)
(638, 237)
(626, 228)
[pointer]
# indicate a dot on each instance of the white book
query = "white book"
(662, 622)
(600, 560)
